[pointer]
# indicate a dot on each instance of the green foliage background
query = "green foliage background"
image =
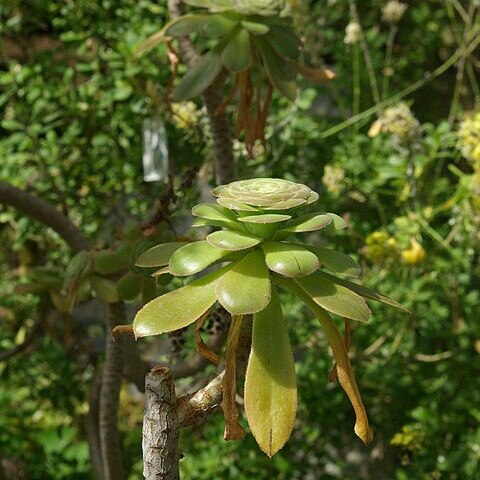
(70, 128)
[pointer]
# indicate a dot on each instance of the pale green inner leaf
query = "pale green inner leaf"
(233, 241)
(289, 260)
(308, 223)
(266, 218)
(195, 257)
(245, 288)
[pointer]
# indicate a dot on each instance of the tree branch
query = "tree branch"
(93, 433)
(42, 211)
(160, 427)
(109, 396)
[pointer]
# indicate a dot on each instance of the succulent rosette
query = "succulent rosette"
(254, 250)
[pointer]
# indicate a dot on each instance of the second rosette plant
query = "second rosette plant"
(254, 254)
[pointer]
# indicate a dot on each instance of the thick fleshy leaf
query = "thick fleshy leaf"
(233, 241)
(218, 25)
(159, 255)
(364, 291)
(289, 260)
(280, 74)
(151, 42)
(336, 261)
(212, 211)
(212, 5)
(237, 54)
(245, 288)
(335, 298)
(185, 25)
(255, 28)
(198, 78)
(270, 382)
(195, 257)
(344, 369)
(308, 223)
(337, 222)
(178, 308)
(204, 222)
(286, 204)
(236, 205)
(284, 42)
(266, 218)
(312, 197)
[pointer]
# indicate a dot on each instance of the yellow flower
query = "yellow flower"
(468, 138)
(415, 254)
(398, 121)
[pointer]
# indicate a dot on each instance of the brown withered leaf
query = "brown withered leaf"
(233, 429)
(202, 348)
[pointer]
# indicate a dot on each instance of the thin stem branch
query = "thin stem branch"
(42, 211)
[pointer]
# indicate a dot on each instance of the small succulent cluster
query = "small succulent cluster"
(250, 39)
(252, 255)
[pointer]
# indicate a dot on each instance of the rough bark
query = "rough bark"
(109, 396)
(93, 432)
(42, 211)
(160, 427)
(225, 171)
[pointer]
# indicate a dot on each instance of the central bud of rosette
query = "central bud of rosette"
(249, 254)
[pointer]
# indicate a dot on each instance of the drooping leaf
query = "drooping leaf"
(159, 255)
(289, 260)
(245, 288)
(233, 429)
(233, 241)
(364, 291)
(186, 25)
(284, 42)
(314, 74)
(218, 25)
(266, 218)
(335, 298)
(270, 382)
(151, 42)
(198, 78)
(280, 74)
(195, 257)
(336, 261)
(308, 223)
(178, 308)
(345, 373)
(237, 54)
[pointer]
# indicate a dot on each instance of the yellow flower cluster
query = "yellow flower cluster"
(333, 179)
(409, 438)
(380, 246)
(185, 115)
(468, 138)
(398, 121)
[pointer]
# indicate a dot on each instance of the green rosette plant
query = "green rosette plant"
(254, 254)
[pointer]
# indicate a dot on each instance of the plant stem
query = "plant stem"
(161, 429)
